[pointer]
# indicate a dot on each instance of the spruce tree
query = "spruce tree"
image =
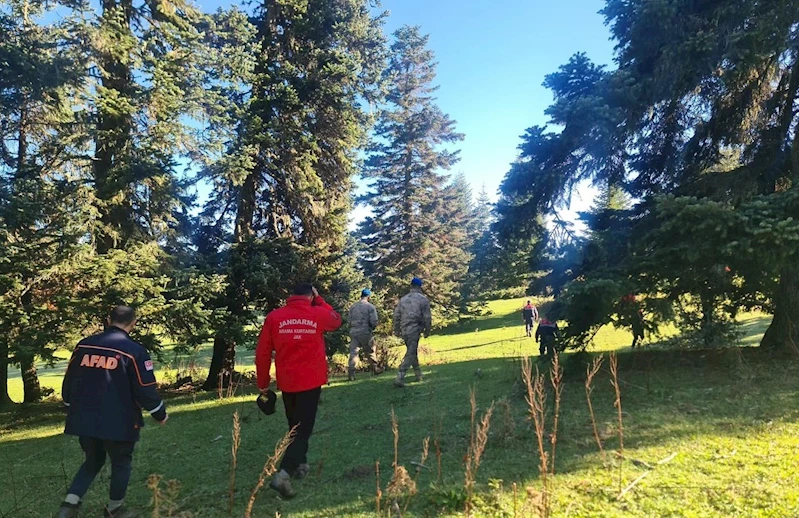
(147, 88)
(42, 216)
(149, 83)
(407, 235)
(482, 212)
(481, 278)
(283, 189)
(450, 259)
(702, 103)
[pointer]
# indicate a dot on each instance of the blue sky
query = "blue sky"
(493, 56)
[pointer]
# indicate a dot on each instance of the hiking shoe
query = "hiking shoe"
(120, 512)
(378, 370)
(282, 484)
(351, 377)
(419, 378)
(68, 510)
(399, 383)
(301, 472)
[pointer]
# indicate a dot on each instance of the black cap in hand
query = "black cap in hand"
(266, 402)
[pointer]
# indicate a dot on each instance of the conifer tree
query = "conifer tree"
(407, 235)
(283, 187)
(481, 278)
(42, 215)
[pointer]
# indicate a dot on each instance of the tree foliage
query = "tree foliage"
(419, 223)
(702, 104)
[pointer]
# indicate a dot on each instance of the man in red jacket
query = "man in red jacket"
(295, 333)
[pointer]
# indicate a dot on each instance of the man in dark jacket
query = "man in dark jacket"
(295, 333)
(529, 315)
(109, 380)
(547, 334)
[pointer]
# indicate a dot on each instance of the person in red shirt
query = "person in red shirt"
(295, 333)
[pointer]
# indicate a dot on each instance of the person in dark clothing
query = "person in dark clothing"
(109, 380)
(529, 315)
(295, 334)
(547, 335)
(638, 328)
(632, 315)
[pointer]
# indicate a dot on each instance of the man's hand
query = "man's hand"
(162, 423)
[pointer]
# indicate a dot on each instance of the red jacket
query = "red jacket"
(296, 333)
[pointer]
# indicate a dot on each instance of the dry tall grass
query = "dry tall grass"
(614, 380)
(536, 403)
(165, 500)
(270, 467)
(556, 377)
(479, 439)
(591, 372)
(234, 461)
(378, 491)
(401, 482)
(422, 465)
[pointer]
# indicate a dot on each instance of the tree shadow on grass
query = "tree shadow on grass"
(668, 397)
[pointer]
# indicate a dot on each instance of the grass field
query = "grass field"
(729, 416)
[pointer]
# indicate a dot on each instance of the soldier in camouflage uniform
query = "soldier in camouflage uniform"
(411, 319)
(363, 321)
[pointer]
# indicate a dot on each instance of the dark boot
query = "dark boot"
(120, 512)
(282, 484)
(68, 510)
(301, 472)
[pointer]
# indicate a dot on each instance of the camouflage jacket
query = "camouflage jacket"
(412, 314)
(363, 318)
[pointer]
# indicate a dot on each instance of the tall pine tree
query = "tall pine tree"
(147, 88)
(410, 232)
(481, 278)
(42, 211)
(283, 188)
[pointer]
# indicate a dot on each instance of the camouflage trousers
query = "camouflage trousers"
(366, 342)
(411, 355)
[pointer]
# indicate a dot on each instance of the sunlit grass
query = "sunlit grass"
(731, 417)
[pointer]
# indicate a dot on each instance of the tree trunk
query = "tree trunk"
(223, 360)
(224, 353)
(4, 398)
(222, 363)
(30, 378)
(708, 303)
(783, 333)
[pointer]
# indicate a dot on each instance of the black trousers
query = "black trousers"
(547, 347)
(121, 454)
(300, 412)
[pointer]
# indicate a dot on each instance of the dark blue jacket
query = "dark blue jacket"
(109, 380)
